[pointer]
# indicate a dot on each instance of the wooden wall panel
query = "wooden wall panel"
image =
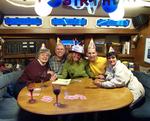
(139, 51)
(52, 44)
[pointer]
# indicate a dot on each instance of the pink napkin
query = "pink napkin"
(75, 97)
(47, 99)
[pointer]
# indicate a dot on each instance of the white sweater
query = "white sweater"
(120, 76)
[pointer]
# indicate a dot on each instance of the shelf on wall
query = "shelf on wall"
(125, 56)
(67, 31)
(19, 56)
(119, 55)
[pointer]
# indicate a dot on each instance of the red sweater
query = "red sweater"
(33, 72)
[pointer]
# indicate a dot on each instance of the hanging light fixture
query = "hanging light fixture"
(42, 8)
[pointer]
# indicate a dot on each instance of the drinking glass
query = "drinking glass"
(56, 90)
(30, 87)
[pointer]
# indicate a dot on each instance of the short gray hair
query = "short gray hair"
(43, 51)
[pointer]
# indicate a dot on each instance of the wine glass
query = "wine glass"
(30, 87)
(56, 90)
(42, 78)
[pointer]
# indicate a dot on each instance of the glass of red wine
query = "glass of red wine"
(30, 87)
(56, 90)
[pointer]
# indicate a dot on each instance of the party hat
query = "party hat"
(91, 44)
(2, 40)
(111, 50)
(58, 40)
(43, 46)
(77, 48)
(43, 49)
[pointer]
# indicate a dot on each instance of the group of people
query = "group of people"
(106, 72)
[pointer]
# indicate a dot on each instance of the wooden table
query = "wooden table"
(98, 99)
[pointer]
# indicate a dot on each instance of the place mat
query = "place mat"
(34, 94)
(46, 99)
(75, 97)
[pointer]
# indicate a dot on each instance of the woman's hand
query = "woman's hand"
(100, 76)
(53, 77)
(98, 82)
(50, 72)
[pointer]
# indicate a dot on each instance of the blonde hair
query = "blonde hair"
(70, 58)
(59, 44)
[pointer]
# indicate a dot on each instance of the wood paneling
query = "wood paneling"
(52, 44)
(139, 50)
(66, 31)
(51, 33)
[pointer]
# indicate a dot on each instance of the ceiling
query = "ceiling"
(8, 9)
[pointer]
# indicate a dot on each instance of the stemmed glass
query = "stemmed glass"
(30, 87)
(42, 78)
(56, 90)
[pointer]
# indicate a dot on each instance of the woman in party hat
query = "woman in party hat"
(56, 62)
(118, 75)
(36, 70)
(75, 65)
(97, 65)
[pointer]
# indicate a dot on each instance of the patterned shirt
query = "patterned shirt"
(56, 65)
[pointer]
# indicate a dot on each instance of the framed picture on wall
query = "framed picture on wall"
(147, 50)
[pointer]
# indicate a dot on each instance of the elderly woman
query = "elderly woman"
(75, 65)
(36, 70)
(118, 75)
(38, 67)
